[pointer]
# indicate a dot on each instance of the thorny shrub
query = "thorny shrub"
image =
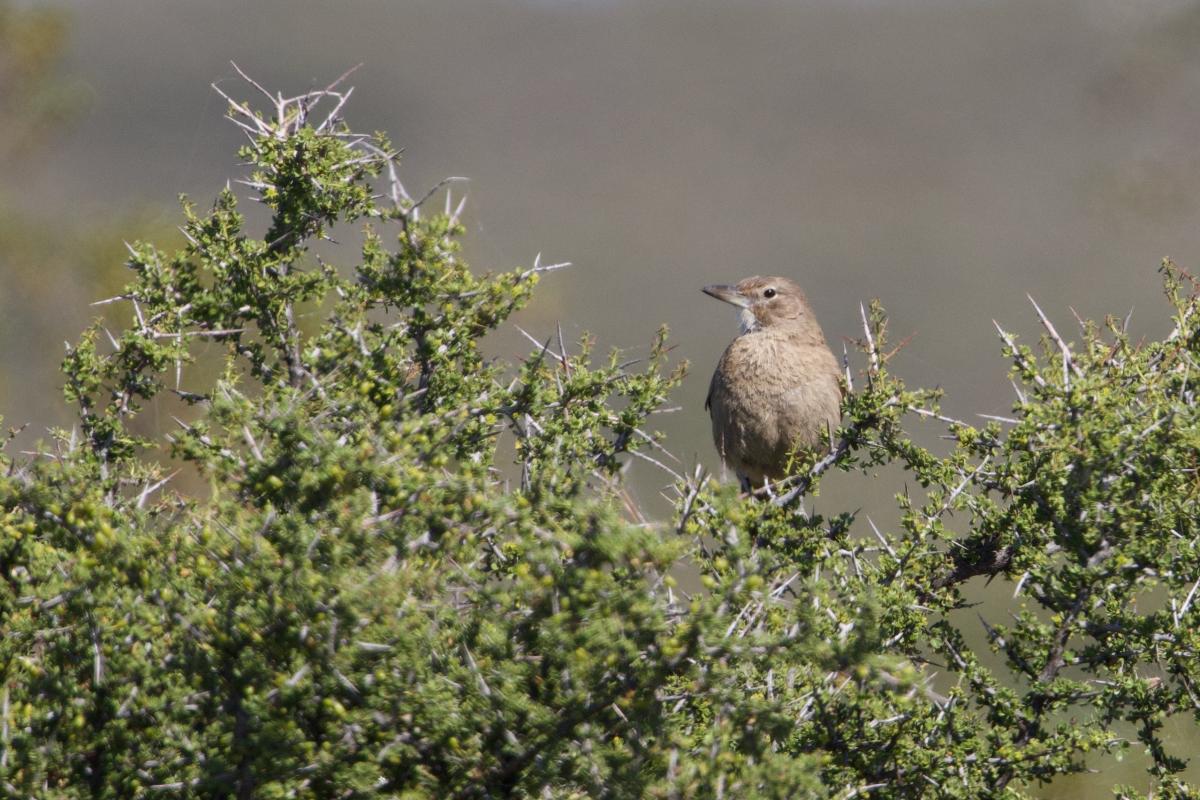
(369, 600)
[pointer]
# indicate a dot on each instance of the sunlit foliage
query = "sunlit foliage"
(415, 572)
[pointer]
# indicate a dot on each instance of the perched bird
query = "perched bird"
(775, 390)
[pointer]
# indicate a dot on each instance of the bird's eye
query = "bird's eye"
(768, 293)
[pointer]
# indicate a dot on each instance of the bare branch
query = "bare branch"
(1068, 361)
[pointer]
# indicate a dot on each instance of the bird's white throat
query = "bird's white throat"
(747, 322)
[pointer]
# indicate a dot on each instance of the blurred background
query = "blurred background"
(945, 156)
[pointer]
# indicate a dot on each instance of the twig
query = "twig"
(1020, 359)
(872, 349)
(1068, 362)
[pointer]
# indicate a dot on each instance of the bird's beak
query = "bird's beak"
(727, 294)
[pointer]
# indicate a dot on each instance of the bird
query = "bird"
(775, 391)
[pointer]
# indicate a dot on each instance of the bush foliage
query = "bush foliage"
(411, 571)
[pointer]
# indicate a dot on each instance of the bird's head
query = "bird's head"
(765, 302)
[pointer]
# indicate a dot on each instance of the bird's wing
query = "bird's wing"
(708, 397)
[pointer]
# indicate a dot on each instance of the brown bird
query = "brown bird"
(776, 390)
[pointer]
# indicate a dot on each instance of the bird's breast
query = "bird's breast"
(771, 393)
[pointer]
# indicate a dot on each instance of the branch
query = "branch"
(1068, 363)
(1018, 357)
(993, 561)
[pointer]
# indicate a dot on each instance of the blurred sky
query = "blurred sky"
(944, 156)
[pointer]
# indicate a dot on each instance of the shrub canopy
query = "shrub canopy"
(407, 570)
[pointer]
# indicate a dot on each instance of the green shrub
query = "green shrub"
(359, 595)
